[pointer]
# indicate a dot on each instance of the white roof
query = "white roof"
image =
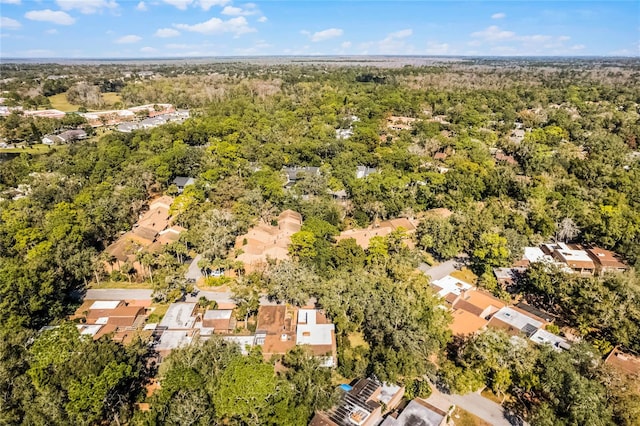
(387, 392)
(571, 254)
(102, 320)
(453, 285)
(413, 414)
(105, 304)
(178, 316)
(216, 314)
(242, 341)
(89, 330)
(311, 333)
(516, 319)
(544, 337)
(307, 316)
(535, 254)
(150, 326)
(173, 339)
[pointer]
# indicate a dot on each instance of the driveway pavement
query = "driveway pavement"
(441, 270)
(118, 294)
(474, 403)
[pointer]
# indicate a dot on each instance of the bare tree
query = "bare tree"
(567, 230)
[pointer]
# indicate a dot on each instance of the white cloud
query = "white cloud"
(564, 38)
(179, 46)
(326, 34)
(148, 49)
(48, 15)
(180, 4)
(346, 45)
(142, 7)
(400, 34)
(262, 19)
(394, 42)
(52, 31)
(235, 26)
(87, 7)
(493, 34)
(10, 1)
(128, 39)
(250, 9)
(499, 15)
(166, 33)
(435, 48)
(578, 47)
(207, 4)
(9, 24)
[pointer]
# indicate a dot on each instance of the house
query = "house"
(417, 413)
(51, 140)
(183, 181)
(450, 287)
(440, 156)
(363, 236)
(606, 261)
(294, 173)
(573, 256)
(264, 241)
(507, 276)
(280, 328)
(361, 404)
(103, 317)
(45, 113)
(364, 171)
(399, 123)
(220, 320)
(316, 332)
(276, 329)
(502, 157)
(515, 321)
(543, 337)
(72, 135)
(624, 362)
(471, 311)
(179, 316)
(151, 232)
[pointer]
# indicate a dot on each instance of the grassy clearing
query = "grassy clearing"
(465, 275)
(357, 339)
(487, 393)
(461, 417)
(61, 103)
(33, 149)
(111, 98)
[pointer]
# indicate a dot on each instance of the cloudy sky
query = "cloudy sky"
(179, 28)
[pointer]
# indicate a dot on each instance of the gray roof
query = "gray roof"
(417, 413)
(217, 314)
(364, 171)
(292, 172)
(182, 181)
(179, 316)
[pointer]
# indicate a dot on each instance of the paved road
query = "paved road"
(142, 294)
(474, 403)
(118, 294)
(441, 270)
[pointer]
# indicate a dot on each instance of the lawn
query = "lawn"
(159, 309)
(357, 339)
(60, 103)
(33, 149)
(461, 417)
(465, 275)
(111, 98)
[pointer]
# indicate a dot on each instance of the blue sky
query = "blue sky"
(179, 28)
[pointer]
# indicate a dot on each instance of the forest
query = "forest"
(575, 176)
